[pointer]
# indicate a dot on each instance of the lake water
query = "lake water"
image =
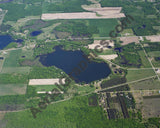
(5, 40)
(35, 33)
(68, 60)
(6, 1)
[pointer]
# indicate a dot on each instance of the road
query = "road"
(150, 62)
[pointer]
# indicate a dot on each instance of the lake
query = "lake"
(68, 60)
(6, 1)
(5, 40)
(35, 33)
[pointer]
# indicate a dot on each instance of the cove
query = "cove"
(68, 60)
(5, 40)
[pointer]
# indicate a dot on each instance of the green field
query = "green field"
(12, 89)
(12, 58)
(74, 113)
(16, 70)
(45, 87)
(11, 63)
(85, 89)
(146, 85)
(104, 26)
(139, 74)
(145, 62)
(154, 54)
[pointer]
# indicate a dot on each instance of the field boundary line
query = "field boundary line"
(127, 83)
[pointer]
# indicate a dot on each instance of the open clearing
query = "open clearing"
(12, 89)
(145, 62)
(16, 70)
(97, 13)
(11, 63)
(108, 57)
(154, 53)
(146, 84)
(155, 38)
(45, 81)
(151, 107)
(80, 15)
(139, 74)
(45, 87)
(128, 40)
(97, 42)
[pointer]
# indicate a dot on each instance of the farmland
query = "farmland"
(63, 112)
(31, 64)
(139, 74)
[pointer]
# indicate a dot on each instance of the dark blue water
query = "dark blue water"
(69, 60)
(6, 1)
(35, 33)
(5, 40)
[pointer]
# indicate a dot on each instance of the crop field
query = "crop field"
(12, 89)
(16, 70)
(104, 25)
(151, 107)
(80, 15)
(154, 54)
(155, 38)
(139, 74)
(12, 59)
(146, 84)
(44, 81)
(145, 62)
(128, 40)
(11, 63)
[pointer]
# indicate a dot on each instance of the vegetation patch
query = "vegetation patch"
(134, 75)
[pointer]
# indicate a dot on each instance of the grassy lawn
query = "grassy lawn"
(145, 62)
(139, 74)
(74, 113)
(12, 89)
